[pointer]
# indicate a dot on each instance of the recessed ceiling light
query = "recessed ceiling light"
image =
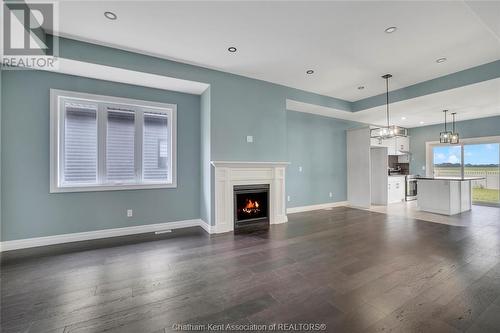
(403, 118)
(309, 71)
(440, 60)
(390, 30)
(361, 87)
(422, 123)
(232, 49)
(110, 15)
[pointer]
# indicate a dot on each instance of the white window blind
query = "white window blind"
(155, 147)
(120, 143)
(109, 143)
(80, 143)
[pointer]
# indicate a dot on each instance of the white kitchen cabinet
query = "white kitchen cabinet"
(377, 143)
(403, 144)
(404, 158)
(378, 159)
(396, 189)
(395, 146)
(367, 162)
(391, 146)
(358, 167)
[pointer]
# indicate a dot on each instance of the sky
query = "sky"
(473, 154)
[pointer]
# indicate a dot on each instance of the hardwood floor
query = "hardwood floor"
(477, 216)
(352, 270)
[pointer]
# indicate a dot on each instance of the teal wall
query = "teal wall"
(211, 127)
(232, 108)
(28, 210)
(205, 193)
(239, 106)
(467, 129)
(318, 145)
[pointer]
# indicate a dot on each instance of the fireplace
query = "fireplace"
(251, 207)
(227, 175)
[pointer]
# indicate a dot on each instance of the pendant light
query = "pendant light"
(389, 131)
(454, 139)
(445, 137)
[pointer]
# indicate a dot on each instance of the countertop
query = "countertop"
(450, 178)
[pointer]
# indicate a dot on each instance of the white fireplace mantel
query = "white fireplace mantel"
(231, 173)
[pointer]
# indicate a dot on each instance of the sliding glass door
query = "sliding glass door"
(447, 161)
(471, 158)
(483, 160)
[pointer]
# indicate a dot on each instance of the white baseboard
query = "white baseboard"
(292, 210)
(207, 227)
(98, 234)
(282, 219)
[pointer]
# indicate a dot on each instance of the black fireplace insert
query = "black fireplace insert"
(251, 207)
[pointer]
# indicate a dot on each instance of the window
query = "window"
(109, 143)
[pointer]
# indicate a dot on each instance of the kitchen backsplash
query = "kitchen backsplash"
(393, 164)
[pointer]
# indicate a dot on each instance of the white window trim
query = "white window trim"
(429, 145)
(55, 142)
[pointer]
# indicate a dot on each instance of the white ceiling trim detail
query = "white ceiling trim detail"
(474, 101)
(114, 74)
(319, 110)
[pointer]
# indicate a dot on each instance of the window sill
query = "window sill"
(93, 188)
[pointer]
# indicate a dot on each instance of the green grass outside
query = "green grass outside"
(478, 194)
(485, 195)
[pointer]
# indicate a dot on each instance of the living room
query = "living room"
(169, 166)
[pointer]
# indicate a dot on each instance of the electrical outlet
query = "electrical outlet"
(300, 169)
(288, 198)
(331, 195)
(249, 138)
(130, 213)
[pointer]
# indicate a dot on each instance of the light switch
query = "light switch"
(300, 169)
(249, 138)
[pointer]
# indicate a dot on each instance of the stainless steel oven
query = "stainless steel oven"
(411, 187)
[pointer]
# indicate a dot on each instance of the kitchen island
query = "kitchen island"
(447, 196)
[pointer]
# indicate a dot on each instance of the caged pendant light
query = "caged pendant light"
(455, 138)
(445, 137)
(389, 131)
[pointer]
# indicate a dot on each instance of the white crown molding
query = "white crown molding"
(245, 164)
(121, 75)
(98, 234)
(300, 209)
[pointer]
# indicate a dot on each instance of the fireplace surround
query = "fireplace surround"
(227, 175)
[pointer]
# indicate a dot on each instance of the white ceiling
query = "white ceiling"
(469, 102)
(277, 41)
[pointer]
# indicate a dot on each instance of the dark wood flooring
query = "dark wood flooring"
(352, 270)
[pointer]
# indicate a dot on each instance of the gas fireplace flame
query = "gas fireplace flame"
(251, 207)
